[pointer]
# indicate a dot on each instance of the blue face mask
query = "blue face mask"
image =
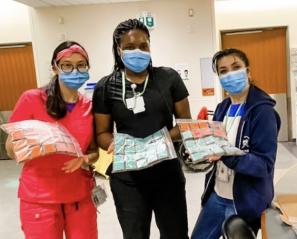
(235, 81)
(136, 60)
(74, 80)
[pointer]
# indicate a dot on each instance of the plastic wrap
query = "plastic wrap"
(33, 138)
(132, 153)
(202, 139)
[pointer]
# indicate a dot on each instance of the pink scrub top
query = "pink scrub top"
(42, 179)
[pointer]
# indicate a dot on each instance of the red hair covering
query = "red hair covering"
(69, 51)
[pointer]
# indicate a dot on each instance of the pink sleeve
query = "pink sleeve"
(22, 109)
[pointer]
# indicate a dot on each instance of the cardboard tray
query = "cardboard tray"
(287, 204)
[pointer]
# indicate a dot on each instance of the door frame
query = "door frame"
(291, 85)
(16, 45)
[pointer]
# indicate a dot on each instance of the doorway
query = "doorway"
(17, 73)
(267, 51)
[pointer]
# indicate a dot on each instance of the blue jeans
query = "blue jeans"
(209, 223)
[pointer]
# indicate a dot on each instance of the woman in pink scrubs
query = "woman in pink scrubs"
(54, 190)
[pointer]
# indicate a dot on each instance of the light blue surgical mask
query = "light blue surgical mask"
(234, 82)
(73, 80)
(136, 60)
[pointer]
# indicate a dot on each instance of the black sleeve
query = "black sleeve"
(100, 100)
(215, 114)
(178, 88)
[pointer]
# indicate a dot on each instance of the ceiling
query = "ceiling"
(56, 3)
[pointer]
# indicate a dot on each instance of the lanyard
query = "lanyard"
(234, 117)
(133, 88)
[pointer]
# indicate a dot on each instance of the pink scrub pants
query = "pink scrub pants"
(49, 221)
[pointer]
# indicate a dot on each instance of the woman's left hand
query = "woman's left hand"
(214, 158)
(110, 148)
(74, 164)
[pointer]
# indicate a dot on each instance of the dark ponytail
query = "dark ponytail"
(55, 104)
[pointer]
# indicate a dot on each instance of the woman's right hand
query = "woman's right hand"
(8, 147)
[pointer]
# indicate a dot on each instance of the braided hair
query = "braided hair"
(122, 29)
(55, 104)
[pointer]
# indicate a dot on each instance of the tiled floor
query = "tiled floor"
(107, 220)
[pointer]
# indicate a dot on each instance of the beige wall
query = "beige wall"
(246, 14)
(177, 37)
(14, 22)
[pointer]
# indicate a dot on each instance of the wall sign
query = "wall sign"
(207, 76)
(183, 70)
(147, 19)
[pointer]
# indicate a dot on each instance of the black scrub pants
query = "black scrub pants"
(136, 201)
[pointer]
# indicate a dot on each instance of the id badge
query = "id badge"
(223, 173)
(136, 104)
(99, 195)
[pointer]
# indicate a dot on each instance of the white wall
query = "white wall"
(245, 14)
(177, 37)
(14, 23)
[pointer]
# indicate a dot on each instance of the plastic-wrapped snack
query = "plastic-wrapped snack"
(33, 138)
(202, 139)
(132, 153)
